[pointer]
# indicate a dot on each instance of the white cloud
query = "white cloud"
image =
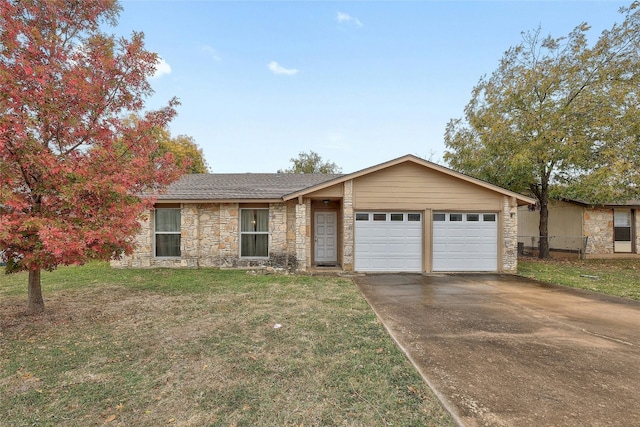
(162, 68)
(280, 70)
(211, 52)
(345, 17)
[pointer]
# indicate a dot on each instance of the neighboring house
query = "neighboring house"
(576, 226)
(407, 214)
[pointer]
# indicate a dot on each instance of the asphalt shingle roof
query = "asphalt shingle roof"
(241, 185)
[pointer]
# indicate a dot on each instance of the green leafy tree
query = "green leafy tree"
(558, 116)
(185, 151)
(311, 162)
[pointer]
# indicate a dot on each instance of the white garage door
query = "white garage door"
(465, 241)
(387, 241)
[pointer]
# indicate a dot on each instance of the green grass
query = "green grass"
(612, 277)
(199, 347)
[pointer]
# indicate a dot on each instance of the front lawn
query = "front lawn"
(619, 277)
(202, 347)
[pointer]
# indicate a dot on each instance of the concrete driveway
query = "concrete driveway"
(500, 350)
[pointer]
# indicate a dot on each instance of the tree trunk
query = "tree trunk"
(543, 246)
(35, 303)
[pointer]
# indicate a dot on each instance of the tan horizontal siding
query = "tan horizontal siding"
(333, 191)
(565, 219)
(409, 186)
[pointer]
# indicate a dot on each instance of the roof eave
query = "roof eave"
(196, 201)
(600, 205)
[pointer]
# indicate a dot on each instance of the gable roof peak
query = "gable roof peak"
(419, 161)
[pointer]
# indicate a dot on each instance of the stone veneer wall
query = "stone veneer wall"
(230, 239)
(189, 244)
(598, 228)
(307, 247)
(303, 234)
(141, 257)
(637, 229)
(279, 252)
(277, 228)
(347, 224)
(210, 237)
(208, 253)
(509, 236)
(229, 243)
(291, 234)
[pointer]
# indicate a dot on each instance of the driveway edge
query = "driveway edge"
(448, 405)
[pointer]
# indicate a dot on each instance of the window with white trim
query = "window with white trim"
(622, 225)
(254, 233)
(439, 217)
(167, 232)
(414, 217)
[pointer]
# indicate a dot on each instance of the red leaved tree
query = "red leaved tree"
(72, 166)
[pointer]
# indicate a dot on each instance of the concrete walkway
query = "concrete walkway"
(500, 350)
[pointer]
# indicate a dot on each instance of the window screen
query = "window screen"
(167, 232)
(254, 232)
(622, 225)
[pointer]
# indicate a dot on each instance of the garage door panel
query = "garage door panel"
(466, 245)
(398, 234)
(398, 247)
(397, 263)
(438, 248)
(448, 234)
(454, 248)
(477, 249)
(385, 264)
(388, 245)
(380, 248)
(479, 234)
(405, 239)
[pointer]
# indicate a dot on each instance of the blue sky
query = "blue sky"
(359, 82)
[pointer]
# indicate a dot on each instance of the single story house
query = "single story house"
(596, 231)
(404, 215)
